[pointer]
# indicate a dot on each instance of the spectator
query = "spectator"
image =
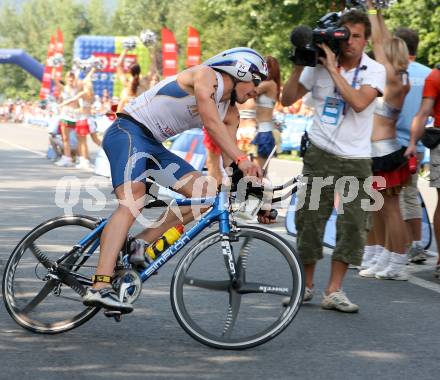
(134, 85)
(344, 90)
(386, 242)
(409, 200)
(106, 101)
(430, 106)
(268, 94)
(154, 79)
(69, 106)
(85, 124)
(248, 126)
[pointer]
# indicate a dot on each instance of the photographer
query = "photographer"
(344, 89)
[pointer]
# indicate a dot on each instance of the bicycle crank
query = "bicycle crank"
(128, 284)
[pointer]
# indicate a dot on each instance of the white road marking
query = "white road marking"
(424, 284)
(433, 286)
(23, 148)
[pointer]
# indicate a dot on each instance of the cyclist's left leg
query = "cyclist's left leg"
(191, 185)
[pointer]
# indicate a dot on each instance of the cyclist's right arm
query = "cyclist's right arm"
(205, 87)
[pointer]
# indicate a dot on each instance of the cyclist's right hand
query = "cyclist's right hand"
(250, 169)
(411, 150)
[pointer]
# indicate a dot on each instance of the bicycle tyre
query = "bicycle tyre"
(21, 319)
(201, 335)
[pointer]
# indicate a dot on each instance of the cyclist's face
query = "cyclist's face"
(245, 91)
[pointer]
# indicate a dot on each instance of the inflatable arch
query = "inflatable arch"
(108, 48)
(25, 61)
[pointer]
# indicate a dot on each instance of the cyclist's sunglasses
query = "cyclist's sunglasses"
(256, 80)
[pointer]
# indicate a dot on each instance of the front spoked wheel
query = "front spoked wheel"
(227, 315)
(44, 300)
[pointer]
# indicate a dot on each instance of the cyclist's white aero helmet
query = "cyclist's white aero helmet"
(242, 63)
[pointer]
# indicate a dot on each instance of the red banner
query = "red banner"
(59, 50)
(193, 48)
(169, 53)
(47, 75)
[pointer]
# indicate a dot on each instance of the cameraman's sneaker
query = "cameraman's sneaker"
(308, 295)
(417, 255)
(339, 301)
(106, 298)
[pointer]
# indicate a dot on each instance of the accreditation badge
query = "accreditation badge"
(333, 112)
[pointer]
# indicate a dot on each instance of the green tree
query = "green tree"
(423, 16)
(261, 24)
(30, 28)
(98, 17)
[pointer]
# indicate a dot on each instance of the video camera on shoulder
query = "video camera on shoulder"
(306, 40)
(328, 31)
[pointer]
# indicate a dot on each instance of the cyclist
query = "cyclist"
(204, 95)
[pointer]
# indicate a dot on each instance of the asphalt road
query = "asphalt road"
(394, 336)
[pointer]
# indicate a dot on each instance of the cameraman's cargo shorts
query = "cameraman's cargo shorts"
(349, 176)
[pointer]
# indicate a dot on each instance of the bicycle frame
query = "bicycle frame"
(219, 212)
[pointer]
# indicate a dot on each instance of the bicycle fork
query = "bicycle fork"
(229, 258)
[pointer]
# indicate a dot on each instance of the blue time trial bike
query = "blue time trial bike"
(227, 291)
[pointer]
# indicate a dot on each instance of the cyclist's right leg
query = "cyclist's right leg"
(112, 239)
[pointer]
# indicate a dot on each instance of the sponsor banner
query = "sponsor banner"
(59, 49)
(169, 53)
(47, 75)
(193, 48)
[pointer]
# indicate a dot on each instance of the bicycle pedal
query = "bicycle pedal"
(117, 315)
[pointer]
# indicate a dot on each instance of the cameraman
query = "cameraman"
(344, 90)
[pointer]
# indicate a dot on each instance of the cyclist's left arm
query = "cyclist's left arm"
(231, 120)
